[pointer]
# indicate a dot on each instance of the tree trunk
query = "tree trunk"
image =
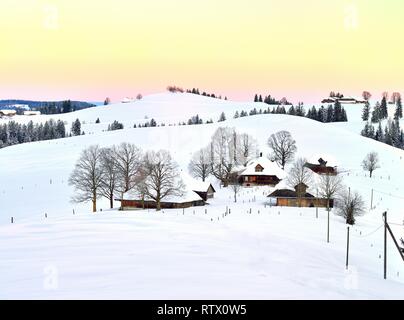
(371, 171)
(111, 202)
(94, 200)
(158, 207)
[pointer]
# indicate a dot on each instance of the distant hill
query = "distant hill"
(76, 105)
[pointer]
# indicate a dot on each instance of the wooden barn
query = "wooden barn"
(131, 201)
(260, 172)
(204, 189)
(289, 198)
(322, 168)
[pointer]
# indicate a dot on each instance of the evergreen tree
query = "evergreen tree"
(222, 117)
(66, 106)
(76, 128)
(379, 133)
(256, 98)
(330, 114)
(98, 120)
(60, 129)
(236, 115)
(376, 113)
(383, 108)
(398, 114)
(366, 112)
(260, 99)
(292, 111)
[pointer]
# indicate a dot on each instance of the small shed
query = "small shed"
(204, 189)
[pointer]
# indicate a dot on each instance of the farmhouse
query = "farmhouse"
(260, 172)
(322, 168)
(7, 113)
(290, 198)
(204, 189)
(131, 201)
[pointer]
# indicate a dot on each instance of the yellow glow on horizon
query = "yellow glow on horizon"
(93, 49)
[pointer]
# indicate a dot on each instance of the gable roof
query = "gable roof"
(286, 193)
(269, 168)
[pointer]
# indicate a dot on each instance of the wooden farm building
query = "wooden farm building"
(322, 168)
(204, 189)
(289, 198)
(131, 201)
(260, 172)
(7, 113)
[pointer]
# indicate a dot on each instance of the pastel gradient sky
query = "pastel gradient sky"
(299, 49)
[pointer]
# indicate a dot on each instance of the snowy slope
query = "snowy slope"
(171, 255)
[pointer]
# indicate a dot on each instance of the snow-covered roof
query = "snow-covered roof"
(127, 100)
(196, 185)
(269, 168)
(8, 112)
(187, 196)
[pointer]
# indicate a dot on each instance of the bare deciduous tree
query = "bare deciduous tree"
(349, 205)
(162, 177)
(328, 187)
(366, 95)
(200, 165)
(109, 180)
(371, 162)
(87, 175)
(224, 156)
(283, 147)
(247, 148)
(128, 159)
(298, 174)
(235, 187)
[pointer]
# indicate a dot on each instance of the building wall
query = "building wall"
(137, 204)
(305, 202)
(259, 180)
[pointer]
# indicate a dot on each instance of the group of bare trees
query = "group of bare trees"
(226, 150)
(330, 187)
(111, 172)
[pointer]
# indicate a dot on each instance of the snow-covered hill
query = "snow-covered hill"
(279, 253)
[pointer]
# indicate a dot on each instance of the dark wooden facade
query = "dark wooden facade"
(299, 198)
(139, 204)
(258, 180)
(303, 202)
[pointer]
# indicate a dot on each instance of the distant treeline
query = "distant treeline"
(270, 100)
(49, 107)
(333, 113)
(211, 95)
(13, 133)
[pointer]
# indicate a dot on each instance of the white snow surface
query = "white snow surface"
(272, 252)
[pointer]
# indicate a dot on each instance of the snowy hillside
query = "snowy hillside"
(276, 253)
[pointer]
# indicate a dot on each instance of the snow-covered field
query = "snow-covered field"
(278, 253)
